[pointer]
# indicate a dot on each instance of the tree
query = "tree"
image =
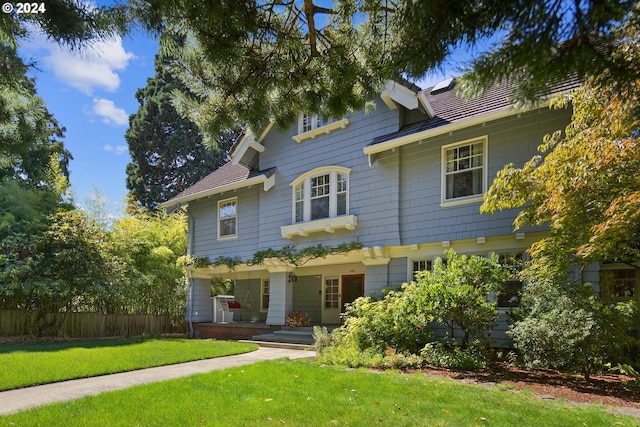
(250, 62)
(585, 186)
(152, 244)
(166, 149)
(29, 135)
(69, 267)
(586, 183)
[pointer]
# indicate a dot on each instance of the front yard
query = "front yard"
(25, 365)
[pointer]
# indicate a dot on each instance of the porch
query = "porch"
(260, 333)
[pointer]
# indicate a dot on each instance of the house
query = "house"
(404, 181)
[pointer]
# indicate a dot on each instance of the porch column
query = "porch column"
(280, 296)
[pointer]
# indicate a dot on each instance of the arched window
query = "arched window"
(321, 193)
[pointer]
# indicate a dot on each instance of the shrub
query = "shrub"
(454, 357)
(457, 294)
(563, 326)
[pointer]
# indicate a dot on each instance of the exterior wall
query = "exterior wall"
(204, 217)
(397, 201)
(372, 192)
(199, 308)
(307, 292)
(511, 140)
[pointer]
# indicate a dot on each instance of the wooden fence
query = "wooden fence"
(92, 325)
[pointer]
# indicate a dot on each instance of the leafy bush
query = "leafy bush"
(454, 357)
(457, 294)
(563, 326)
(393, 331)
(297, 318)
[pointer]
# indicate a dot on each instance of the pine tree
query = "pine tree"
(249, 62)
(166, 149)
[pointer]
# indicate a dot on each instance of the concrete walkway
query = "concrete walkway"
(18, 400)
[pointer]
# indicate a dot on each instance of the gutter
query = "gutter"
(260, 179)
(391, 144)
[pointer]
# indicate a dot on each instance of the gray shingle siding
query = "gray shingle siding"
(396, 199)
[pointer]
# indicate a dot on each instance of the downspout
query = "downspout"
(190, 300)
(190, 274)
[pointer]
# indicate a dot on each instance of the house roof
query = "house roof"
(226, 178)
(451, 108)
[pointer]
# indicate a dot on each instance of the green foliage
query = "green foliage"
(456, 293)
(332, 58)
(321, 339)
(220, 286)
(153, 245)
(166, 149)
(585, 185)
(394, 330)
(472, 358)
(563, 326)
(298, 257)
(68, 266)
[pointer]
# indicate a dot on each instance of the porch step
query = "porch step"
(298, 337)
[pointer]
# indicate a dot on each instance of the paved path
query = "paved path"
(25, 398)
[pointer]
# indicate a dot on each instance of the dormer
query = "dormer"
(407, 95)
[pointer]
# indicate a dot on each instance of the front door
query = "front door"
(352, 289)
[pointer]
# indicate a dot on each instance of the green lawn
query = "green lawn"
(303, 393)
(31, 364)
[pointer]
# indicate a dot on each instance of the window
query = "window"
(331, 293)
(312, 125)
(264, 296)
(464, 171)
(309, 122)
(511, 292)
(620, 285)
(321, 195)
(420, 265)
(227, 218)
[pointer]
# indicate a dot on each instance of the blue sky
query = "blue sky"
(92, 93)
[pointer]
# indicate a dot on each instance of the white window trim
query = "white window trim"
(443, 180)
(315, 131)
(230, 236)
(262, 295)
(334, 221)
(410, 261)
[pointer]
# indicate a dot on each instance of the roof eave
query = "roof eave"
(440, 130)
(256, 180)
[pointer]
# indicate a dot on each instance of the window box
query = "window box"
(310, 127)
(327, 225)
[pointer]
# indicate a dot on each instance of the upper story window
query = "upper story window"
(309, 122)
(312, 125)
(321, 193)
(464, 171)
(228, 218)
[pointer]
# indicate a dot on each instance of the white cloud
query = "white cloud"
(93, 67)
(118, 149)
(109, 113)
